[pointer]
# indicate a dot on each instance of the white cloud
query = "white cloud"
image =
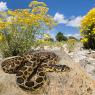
(3, 6)
(60, 18)
(72, 21)
(75, 22)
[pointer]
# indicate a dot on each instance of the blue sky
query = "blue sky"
(68, 13)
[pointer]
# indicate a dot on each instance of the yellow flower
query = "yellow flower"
(1, 37)
(46, 35)
(84, 40)
(3, 25)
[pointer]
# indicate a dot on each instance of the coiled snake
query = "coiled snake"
(31, 68)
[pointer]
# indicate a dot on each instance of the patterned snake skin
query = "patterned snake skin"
(31, 68)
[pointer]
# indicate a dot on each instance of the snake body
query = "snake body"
(31, 68)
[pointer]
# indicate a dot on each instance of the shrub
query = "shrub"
(71, 43)
(88, 30)
(60, 37)
(21, 28)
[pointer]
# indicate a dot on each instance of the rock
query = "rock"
(86, 58)
(75, 82)
(92, 55)
(79, 55)
(89, 66)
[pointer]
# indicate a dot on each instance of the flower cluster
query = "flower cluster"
(30, 17)
(89, 22)
(84, 40)
(21, 27)
(88, 29)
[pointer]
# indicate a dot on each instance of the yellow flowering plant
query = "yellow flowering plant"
(22, 26)
(71, 44)
(88, 29)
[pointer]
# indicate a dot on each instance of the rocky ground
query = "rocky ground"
(86, 58)
(75, 82)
